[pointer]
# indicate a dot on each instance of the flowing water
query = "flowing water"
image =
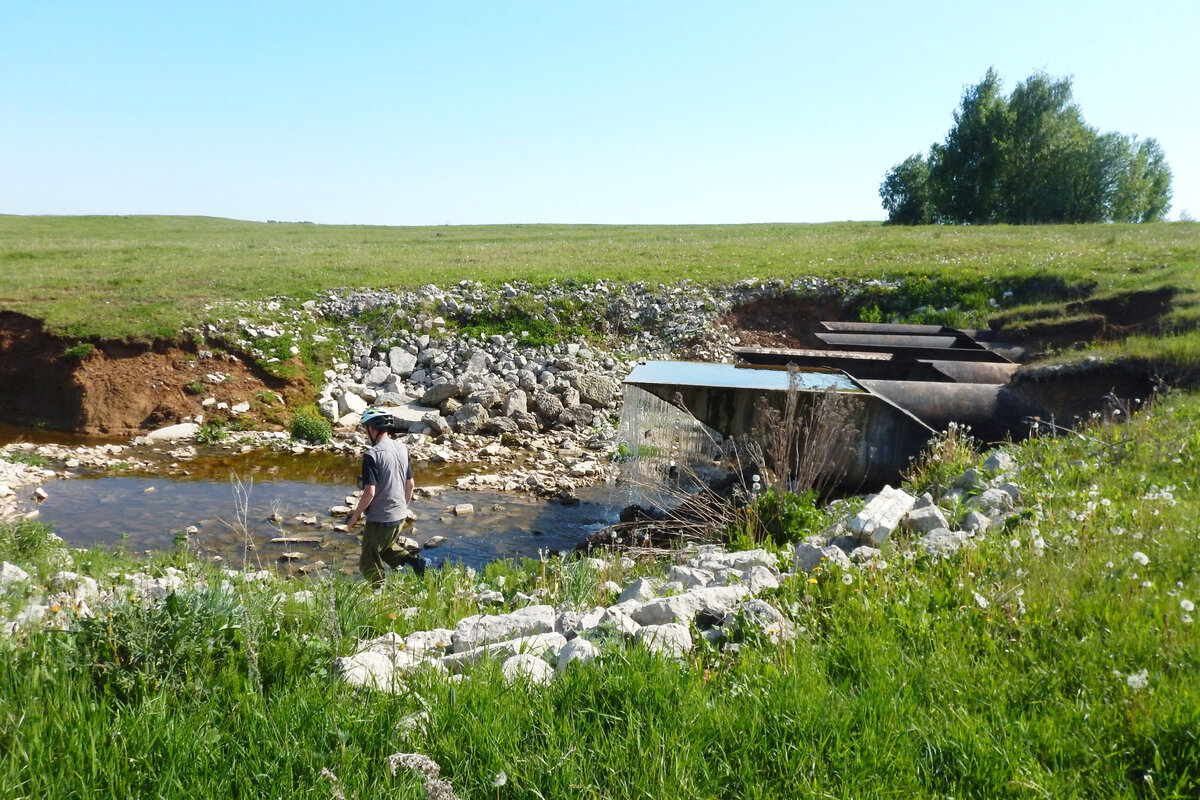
(231, 499)
(665, 451)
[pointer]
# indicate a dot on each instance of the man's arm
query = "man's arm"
(409, 485)
(367, 496)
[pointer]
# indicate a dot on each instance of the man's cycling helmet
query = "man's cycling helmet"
(378, 419)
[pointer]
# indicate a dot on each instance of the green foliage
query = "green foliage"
(905, 193)
(1055, 658)
(193, 387)
(79, 352)
(120, 277)
(140, 647)
(785, 517)
(29, 542)
(947, 455)
(19, 457)
(212, 432)
(532, 328)
(1028, 158)
(308, 425)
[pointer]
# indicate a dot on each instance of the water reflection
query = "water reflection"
(144, 512)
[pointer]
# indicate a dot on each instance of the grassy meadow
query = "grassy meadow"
(149, 276)
(1059, 658)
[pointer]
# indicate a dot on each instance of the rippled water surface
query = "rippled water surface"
(144, 512)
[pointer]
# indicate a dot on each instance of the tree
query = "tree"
(965, 171)
(1028, 158)
(905, 193)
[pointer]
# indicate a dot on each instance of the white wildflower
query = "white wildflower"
(1140, 557)
(847, 579)
(980, 600)
(499, 779)
(1187, 605)
(1138, 680)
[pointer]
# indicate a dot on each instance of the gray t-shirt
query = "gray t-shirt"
(385, 466)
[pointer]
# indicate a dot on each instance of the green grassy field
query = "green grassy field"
(150, 276)
(1057, 659)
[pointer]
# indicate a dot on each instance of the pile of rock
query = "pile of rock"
(980, 499)
(469, 387)
(714, 592)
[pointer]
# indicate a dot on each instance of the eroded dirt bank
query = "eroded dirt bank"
(118, 388)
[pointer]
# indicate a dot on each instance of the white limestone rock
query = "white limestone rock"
(691, 577)
(925, 519)
(942, 542)
(184, 430)
(528, 669)
(808, 557)
(880, 516)
(640, 590)
(999, 463)
(480, 629)
(715, 601)
(974, 522)
(535, 645)
(578, 650)
(992, 502)
(670, 640)
(11, 573)
(368, 669)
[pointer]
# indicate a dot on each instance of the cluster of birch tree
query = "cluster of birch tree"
(1028, 158)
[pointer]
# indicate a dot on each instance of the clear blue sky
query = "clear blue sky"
(500, 112)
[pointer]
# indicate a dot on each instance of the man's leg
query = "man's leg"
(376, 540)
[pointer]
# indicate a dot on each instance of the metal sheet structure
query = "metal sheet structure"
(726, 398)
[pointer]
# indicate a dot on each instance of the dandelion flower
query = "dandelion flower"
(1140, 557)
(499, 779)
(1138, 680)
(1187, 605)
(847, 579)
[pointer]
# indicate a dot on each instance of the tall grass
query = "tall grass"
(1058, 658)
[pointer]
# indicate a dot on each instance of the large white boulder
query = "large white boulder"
(534, 645)
(577, 650)
(880, 516)
(369, 669)
(713, 600)
(671, 640)
(11, 573)
(526, 668)
(481, 629)
(641, 590)
(184, 430)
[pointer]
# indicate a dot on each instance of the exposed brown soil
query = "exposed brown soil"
(122, 388)
(782, 321)
(119, 388)
(1091, 320)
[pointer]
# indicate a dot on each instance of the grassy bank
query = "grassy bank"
(1059, 658)
(150, 276)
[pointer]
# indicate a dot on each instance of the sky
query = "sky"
(645, 112)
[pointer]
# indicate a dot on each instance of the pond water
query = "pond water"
(231, 499)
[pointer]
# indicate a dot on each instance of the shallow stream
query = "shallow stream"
(231, 500)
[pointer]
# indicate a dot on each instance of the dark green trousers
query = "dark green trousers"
(380, 549)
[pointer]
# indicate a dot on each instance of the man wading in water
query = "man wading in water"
(387, 484)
